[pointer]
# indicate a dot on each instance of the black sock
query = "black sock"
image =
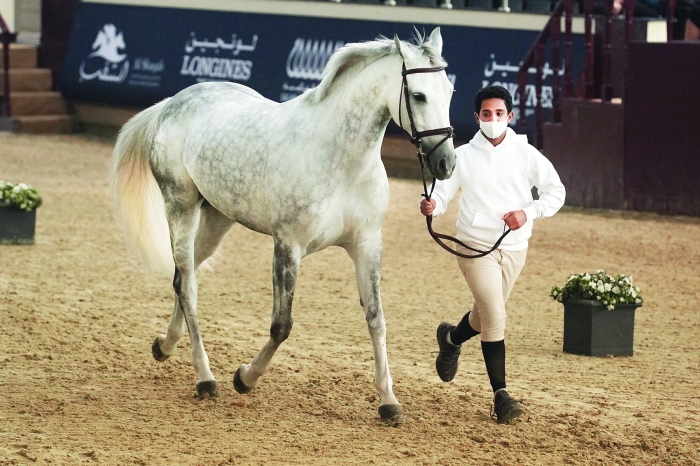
(495, 359)
(463, 331)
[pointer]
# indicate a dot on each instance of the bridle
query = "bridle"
(416, 136)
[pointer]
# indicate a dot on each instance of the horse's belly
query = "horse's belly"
(243, 211)
(323, 238)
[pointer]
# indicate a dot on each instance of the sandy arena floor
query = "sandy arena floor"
(79, 384)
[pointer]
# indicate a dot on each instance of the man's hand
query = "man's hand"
(515, 219)
(426, 208)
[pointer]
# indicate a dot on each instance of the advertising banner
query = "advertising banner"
(136, 56)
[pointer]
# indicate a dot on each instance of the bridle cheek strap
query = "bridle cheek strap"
(416, 137)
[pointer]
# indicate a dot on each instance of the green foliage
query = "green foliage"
(599, 286)
(19, 195)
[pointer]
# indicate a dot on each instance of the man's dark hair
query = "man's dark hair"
(493, 92)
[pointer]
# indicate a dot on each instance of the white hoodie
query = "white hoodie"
(495, 181)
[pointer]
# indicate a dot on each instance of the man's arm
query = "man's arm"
(549, 187)
(444, 191)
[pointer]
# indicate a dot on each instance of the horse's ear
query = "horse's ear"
(435, 40)
(398, 46)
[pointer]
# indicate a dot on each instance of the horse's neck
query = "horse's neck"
(358, 105)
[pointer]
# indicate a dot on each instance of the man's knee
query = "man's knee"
(494, 329)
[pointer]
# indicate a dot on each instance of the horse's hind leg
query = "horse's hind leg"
(284, 277)
(367, 255)
(213, 226)
(182, 203)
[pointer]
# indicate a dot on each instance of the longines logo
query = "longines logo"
(197, 62)
(106, 63)
(308, 58)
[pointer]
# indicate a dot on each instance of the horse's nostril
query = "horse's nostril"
(443, 166)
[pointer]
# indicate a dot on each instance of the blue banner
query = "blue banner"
(136, 56)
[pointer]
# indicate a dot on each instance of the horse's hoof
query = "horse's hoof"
(391, 414)
(157, 353)
(238, 383)
(207, 389)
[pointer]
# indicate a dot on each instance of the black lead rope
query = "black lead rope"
(438, 237)
(416, 141)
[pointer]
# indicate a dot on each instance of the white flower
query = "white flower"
(22, 186)
(607, 289)
(611, 307)
(16, 189)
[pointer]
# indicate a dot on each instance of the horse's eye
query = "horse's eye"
(419, 97)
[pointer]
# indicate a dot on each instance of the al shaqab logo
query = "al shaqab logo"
(308, 58)
(106, 63)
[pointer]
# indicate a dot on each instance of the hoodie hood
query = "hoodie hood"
(480, 141)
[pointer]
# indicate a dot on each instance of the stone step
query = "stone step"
(27, 80)
(39, 124)
(44, 124)
(37, 103)
(22, 56)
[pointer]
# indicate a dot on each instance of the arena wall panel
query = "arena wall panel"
(133, 56)
(662, 147)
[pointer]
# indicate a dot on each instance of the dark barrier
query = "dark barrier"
(662, 146)
(136, 56)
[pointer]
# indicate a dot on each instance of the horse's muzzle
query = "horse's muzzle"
(441, 162)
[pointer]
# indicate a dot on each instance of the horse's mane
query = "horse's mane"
(351, 54)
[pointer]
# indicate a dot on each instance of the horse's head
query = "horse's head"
(424, 108)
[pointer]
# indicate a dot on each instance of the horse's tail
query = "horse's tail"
(136, 197)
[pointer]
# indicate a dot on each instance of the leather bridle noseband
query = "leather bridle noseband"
(416, 136)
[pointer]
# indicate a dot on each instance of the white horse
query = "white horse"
(307, 172)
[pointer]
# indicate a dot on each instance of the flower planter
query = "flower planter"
(592, 330)
(16, 225)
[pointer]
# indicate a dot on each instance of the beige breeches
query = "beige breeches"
(490, 279)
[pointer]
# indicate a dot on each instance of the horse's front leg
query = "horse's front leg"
(285, 266)
(367, 255)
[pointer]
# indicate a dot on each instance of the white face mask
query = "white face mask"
(493, 129)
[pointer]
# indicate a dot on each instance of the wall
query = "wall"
(587, 150)
(662, 128)
(278, 55)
